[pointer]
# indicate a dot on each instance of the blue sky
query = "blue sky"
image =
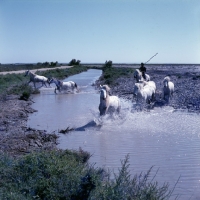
(93, 31)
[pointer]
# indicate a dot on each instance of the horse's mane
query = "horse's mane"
(60, 82)
(29, 72)
(143, 82)
(167, 78)
(138, 71)
(139, 85)
(106, 87)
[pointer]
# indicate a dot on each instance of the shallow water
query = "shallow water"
(167, 140)
(58, 111)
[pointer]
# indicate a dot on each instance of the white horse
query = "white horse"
(61, 85)
(144, 93)
(168, 88)
(108, 103)
(36, 78)
(151, 84)
(138, 76)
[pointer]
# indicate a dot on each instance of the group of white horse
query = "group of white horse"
(60, 85)
(144, 90)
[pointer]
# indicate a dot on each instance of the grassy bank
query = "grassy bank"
(111, 74)
(66, 175)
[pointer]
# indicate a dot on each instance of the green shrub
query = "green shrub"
(21, 89)
(123, 186)
(66, 175)
(108, 64)
(74, 62)
(111, 74)
(13, 83)
(42, 175)
(63, 73)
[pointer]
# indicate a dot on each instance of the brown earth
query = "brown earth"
(17, 139)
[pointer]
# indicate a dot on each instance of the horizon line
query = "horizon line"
(100, 63)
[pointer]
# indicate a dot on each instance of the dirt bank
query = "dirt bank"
(15, 137)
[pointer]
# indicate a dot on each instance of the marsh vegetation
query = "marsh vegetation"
(67, 175)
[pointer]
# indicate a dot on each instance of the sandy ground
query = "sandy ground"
(17, 139)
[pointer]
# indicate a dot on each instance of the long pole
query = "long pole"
(151, 58)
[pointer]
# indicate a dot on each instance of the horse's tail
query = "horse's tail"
(119, 106)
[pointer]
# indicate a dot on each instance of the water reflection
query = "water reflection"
(161, 138)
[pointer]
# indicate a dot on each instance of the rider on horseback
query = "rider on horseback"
(143, 70)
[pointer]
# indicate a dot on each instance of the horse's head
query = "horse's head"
(103, 102)
(165, 83)
(54, 80)
(138, 87)
(166, 80)
(137, 75)
(135, 89)
(26, 72)
(103, 94)
(105, 87)
(50, 80)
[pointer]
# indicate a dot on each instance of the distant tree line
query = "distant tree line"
(48, 63)
(108, 63)
(74, 62)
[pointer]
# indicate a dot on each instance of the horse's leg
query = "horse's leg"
(44, 83)
(55, 91)
(119, 107)
(34, 84)
(72, 88)
(29, 82)
(153, 97)
(106, 111)
(172, 94)
(41, 85)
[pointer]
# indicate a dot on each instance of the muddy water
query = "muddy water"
(163, 138)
